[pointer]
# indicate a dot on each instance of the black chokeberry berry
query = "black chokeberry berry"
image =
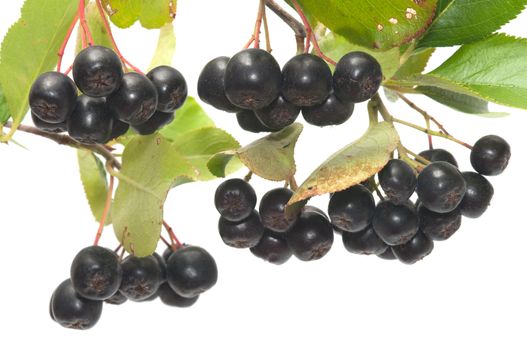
(252, 79)
(248, 121)
(211, 87)
(278, 114)
(166, 254)
(395, 223)
(52, 97)
(141, 277)
(306, 80)
(272, 248)
(96, 273)
(311, 237)
(162, 266)
(244, 234)
(364, 242)
(330, 112)
(439, 155)
(73, 311)
(352, 210)
(416, 249)
(387, 254)
(438, 226)
(119, 128)
(117, 299)
(441, 187)
(155, 123)
(191, 271)
(478, 196)
(91, 120)
(398, 180)
(49, 127)
(235, 199)
(136, 99)
(357, 77)
(490, 155)
(171, 88)
(171, 298)
(272, 210)
(97, 71)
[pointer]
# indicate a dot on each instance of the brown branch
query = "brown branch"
(69, 141)
(296, 26)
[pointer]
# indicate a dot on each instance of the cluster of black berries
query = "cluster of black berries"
(394, 228)
(97, 275)
(110, 101)
(266, 98)
(269, 233)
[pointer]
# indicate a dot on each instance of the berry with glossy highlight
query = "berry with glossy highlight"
(352, 210)
(398, 180)
(244, 234)
(52, 97)
(490, 155)
(211, 86)
(416, 249)
(155, 123)
(91, 120)
(364, 242)
(438, 226)
(478, 195)
(357, 77)
(272, 210)
(439, 155)
(272, 248)
(171, 298)
(141, 277)
(278, 114)
(171, 88)
(395, 223)
(311, 237)
(330, 112)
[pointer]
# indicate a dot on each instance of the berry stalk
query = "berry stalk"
(83, 22)
(65, 42)
(296, 26)
(172, 235)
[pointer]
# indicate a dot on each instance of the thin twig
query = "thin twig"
(68, 141)
(172, 234)
(65, 42)
(296, 26)
(422, 112)
(267, 33)
(258, 24)
(83, 22)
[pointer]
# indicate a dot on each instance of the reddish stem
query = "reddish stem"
(105, 211)
(84, 23)
(249, 42)
(110, 34)
(67, 71)
(65, 42)
(172, 234)
(116, 250)
(310, 30)
(258, 24)
(166, 242)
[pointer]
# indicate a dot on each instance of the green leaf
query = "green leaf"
(219, 163)
(123, 13)
(166, 46)
(30, 48)
(377, 24)
(4, 109)
(157, 13)
(494, 69)
(415, 64)
(464, 21)
(151, 166)
(189, 117)
(352, 164)
(273, 156)
(93, 177)
(97, 29)
(198, 146)
(460, 102)
(336, 46)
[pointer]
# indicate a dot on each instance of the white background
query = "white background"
(470, 293)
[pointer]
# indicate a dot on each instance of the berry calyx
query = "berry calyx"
(211, 87)
(191, 271)
(248, 121)
(97, 71)
(52, 97)
(330, 112)
(169, 297)
(272, 210)
(352, 210)
(364, 242)
(395, 223)
(490, 155)
(244, 234)
(478, 195)
(311, 237)
(416, 249)
(136, 99)
(357, 77)
(171, 88)
(272, 248)
(438, 226)
(440, 187)
(155, 123)
(72, 311)
(235, 199)
(306, 80)
(398, 180)
(91, 120)
(96, 273)
(439, 155)
(278, 114)
(252, 79)
(141, 277)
